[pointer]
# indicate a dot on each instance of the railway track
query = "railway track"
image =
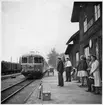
(9, 76)
(9, 92)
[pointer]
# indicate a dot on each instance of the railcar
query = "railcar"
(33, 65)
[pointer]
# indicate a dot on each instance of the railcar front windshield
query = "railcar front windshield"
(24, 59)
(38, 60)
(32, 59)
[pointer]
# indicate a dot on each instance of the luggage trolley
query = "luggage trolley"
(51, 70)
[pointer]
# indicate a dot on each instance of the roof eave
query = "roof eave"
(73, 36)
(75, 12)
(69, 48)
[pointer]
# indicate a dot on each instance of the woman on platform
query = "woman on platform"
(82, 68)
(96, 73)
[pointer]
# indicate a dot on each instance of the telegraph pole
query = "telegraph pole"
(11, 59)
(17, 60)
(11, 63)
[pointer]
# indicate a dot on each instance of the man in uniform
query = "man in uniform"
(60, 69)
(68, 70)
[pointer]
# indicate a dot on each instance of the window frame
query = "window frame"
(86, 48)
(77, 57)
(97, 13)
(26, 59)
(85, 24)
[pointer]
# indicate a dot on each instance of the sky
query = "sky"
(37, 25)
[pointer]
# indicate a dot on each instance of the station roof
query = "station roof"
(76, 10)
(77, 6)
(68, 48)
(72, 37)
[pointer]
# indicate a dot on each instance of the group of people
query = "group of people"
(61, 66)
(87, 72)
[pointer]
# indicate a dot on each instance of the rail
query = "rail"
(8, 76)
(7, 93)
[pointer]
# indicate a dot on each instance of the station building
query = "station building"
(89, 16)
(73, 50)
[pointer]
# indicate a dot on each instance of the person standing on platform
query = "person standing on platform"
(78, 72)
(96, 73)
(89, 62)
(90, 79)
(60, 69)
(68, 70)
(82, 67)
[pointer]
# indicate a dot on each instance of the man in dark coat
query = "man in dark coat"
(60, 69)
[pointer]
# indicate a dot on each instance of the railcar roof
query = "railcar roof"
(35, 55)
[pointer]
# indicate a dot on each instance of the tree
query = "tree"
(52, 57)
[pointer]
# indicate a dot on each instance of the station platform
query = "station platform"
(69, 94)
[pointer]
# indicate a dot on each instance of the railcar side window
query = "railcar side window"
(24, 59)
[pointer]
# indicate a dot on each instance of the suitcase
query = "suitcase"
(46, 95)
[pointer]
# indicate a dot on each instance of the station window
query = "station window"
(97, 11)
(85, 25)
(24, 60)
(97, 49)
(86, 51)
(90, 23)
(77, 57)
